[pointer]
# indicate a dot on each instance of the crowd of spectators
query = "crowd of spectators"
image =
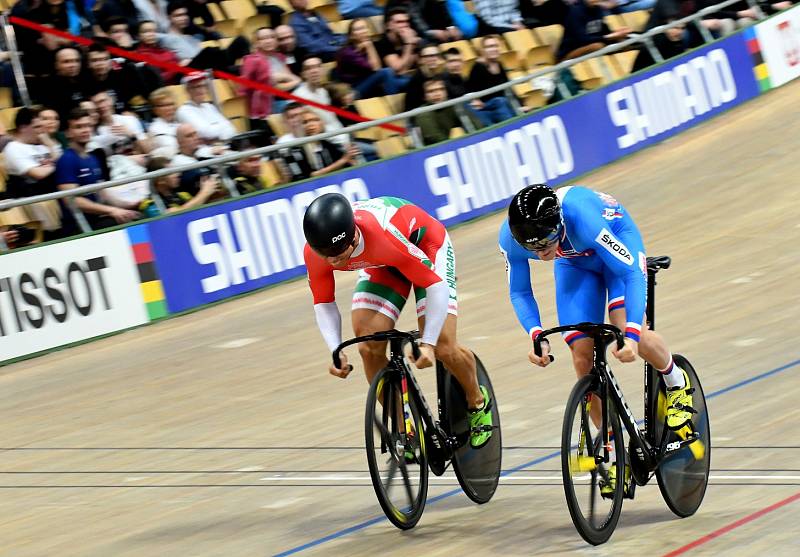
(97, 116)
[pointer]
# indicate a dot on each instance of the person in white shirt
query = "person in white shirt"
(30, 158)
(198, 111)
(293, 122)
(311, 88)
(163, 128)
(112, 127)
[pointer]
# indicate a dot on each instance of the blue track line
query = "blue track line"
(377, 519)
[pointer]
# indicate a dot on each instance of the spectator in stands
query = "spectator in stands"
(397, 47)
(246, 174)
(287, 45)
(104, 10)
(430, 66)
(351, 9)
(670, 43)
(65, 88)
(428, 18)
(537, 13)
(204, 116)
(585, 31)
(164, 127)
(313, 32)
(311, 88)
(198, 9)
(191, 149)
(119, 77)
(498, 16)
(343, 96)
(31, 157)
(267, 66)
(359, 64)
(435, 126)
(167, 195)
(292, 122)
(728, 19)
(126, 161)
(119, 33)
(454, 73)
(51, 125)
(488, 72)
(189, 48)
(76, 168)
(322, 156)
(113, 127)
(154, 10)
(150, 47)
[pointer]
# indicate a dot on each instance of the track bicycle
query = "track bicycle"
(404, 439)
(679, 459)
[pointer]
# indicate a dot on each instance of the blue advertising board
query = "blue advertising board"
(220, 251)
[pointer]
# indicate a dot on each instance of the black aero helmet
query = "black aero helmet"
(534, 217)
(329, 224)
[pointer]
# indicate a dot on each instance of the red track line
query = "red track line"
(135, 56)
(732, 526)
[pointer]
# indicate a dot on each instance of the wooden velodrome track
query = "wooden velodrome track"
(220, 432)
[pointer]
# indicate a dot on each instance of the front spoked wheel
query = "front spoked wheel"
(396, 450)
(594, 491)
(683, 474)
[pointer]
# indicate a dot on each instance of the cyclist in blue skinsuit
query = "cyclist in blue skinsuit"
(599, 256)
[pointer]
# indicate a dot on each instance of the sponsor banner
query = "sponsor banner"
(775, 44)
(223, 250)
(67, 292)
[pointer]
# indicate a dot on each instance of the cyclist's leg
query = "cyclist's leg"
(378, 299)
(580, 297)
(458, 360)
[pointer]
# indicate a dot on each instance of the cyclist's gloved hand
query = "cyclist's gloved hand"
(628, 353)
(344, 371)
(543, 360)
(426, 356)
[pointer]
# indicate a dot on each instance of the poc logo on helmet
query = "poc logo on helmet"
(339, 237)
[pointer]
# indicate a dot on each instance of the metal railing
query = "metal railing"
(643, 38)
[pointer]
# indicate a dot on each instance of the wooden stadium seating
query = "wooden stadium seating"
(625, 61)
(340, 26)
(238, 9)
(252, 23)
(179, 92)
(223, 90)
(637, 20)
(373, 109)
(20, 216)
(6, 98)
(270, 172)
(588, 74)
(391, 146)
(235, 110)
(7, 116)
(229, 27)
(216, 11)
(326, 8)
(396, 102)
(457, 132)
(615, 21)
(276, 123)
(531, 52)
(377, 24)
(549, 35)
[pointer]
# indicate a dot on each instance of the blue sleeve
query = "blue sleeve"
(65, 172)
(517, 261)
(315, 39)
(622, 254)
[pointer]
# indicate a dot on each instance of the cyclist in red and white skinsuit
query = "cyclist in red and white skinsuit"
(394, 245)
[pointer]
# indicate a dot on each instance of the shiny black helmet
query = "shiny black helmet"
(534, 217)
(329, 224)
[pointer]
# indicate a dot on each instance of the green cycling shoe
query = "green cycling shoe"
(480, 422)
